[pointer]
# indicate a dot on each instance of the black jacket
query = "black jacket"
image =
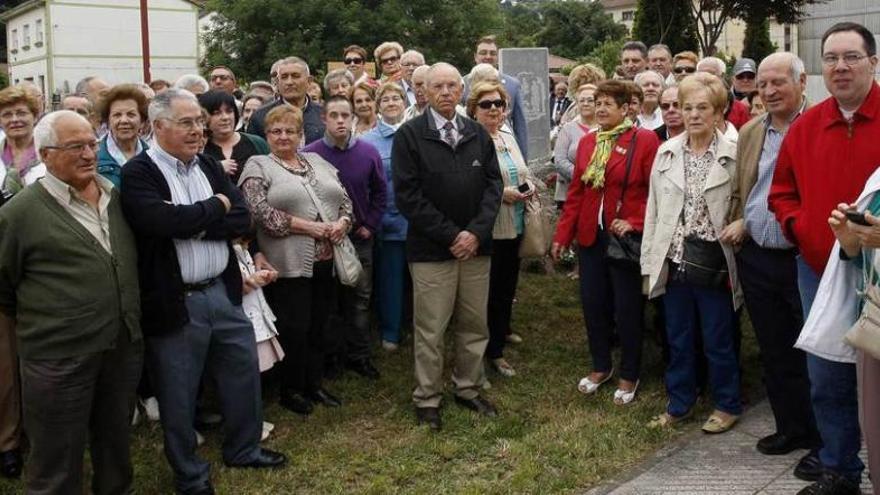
(442, 191)
(313, 126)
(146, 202)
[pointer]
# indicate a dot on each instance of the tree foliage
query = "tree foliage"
(757, 44)
(573, 29)
(606, 56)
(668, 22)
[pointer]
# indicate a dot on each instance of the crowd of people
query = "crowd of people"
(163, 244)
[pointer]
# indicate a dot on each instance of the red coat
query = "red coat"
(823, 161)
(739, 114)
(580, 217)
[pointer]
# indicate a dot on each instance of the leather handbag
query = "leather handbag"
(626, 249)
(538, 230)
(704, 264)
(865, 332)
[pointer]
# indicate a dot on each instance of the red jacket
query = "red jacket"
(823, 161)
(580, 217)
(739, 114)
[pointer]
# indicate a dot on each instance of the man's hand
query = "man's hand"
(556, 251)
(465, 246)
(262, 264)
(226, 203)
(734, 233)
(363, 233)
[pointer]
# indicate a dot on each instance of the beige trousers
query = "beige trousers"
(868, 372)
(450, 294)
(10, 388)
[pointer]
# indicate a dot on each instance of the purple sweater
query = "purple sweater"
(363, 176)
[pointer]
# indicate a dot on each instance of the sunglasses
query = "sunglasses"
(389, 60)
(682, 70)
(354, 60)
(667, 106)
(746, 75)
(487, 104)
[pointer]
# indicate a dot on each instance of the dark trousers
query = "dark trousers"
(604, 285)
(71, 402)
(503, 277)
(302, 306)
(769, 282)
(355, 304)
(10, 387)
(218, 339)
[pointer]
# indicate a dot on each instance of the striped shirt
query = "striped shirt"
(199, 259)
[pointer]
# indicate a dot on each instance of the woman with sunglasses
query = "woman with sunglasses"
(355, 59)
(605, 207)
(387, 57)
(487, 104)
(683, 65)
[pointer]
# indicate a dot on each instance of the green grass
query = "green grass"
(548, 438)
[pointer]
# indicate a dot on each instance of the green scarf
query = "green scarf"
(595, 172)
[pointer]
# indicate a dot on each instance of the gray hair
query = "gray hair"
(160, 107)
(420, 59)
(796, 65)
(649, 73)
(273, 72)
(421, 70)
(82, 87)
(661, 46)
(717, 62)
(439, 66)
(188, 81)
(483, 72)
(337, 74)
(45, 134)
(635, 45)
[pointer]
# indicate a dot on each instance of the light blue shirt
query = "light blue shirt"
(760, 223)
(199, 259)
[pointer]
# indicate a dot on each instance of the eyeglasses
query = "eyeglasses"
(389, 60)
(76, 147)
(279, 132)
(849, 59)
(667, 106)
(682, 70)
(19, 114)
(189, 124)
(222, 77)
(487, 104)
(353, 60)
(389, 99)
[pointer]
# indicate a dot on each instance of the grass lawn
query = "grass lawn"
(548, 437)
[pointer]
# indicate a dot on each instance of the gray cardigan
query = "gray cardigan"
(564, 155)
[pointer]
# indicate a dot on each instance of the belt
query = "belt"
(199, 286)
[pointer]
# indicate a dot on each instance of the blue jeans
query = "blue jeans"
(684, 304)
(834, 395)
(390, 283)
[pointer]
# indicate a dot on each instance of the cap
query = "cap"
(744, 65)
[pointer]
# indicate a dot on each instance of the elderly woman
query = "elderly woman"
(20, 164)
(605, 207)
(683, 257)
(578, 77)
(193, 83)
(363, 101)
(355, 59)
(289, 193)
(569, 137)
(123, 109)
(387, 57)
(390, 248)
(249, 105)
(229, 147)
(338, 82)
(487, 104)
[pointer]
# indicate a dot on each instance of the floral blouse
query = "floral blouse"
(694, 220)
(276, 222)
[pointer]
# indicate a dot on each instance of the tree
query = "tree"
(668, 22)
(573, 29)
(522, 21)
(757, 44)
(712, 15)
(606, 56)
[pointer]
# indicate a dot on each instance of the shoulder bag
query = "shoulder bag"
(538, 229)
(625, 250)
(864, 335)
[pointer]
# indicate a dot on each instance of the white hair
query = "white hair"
(649, 73)
(439, 66)
(45, 134)
(421, 70)
(796, 65)
(335, 75)
(483, 72)
(189, 81)
(160, 106)
(420, 59)
(717, 62)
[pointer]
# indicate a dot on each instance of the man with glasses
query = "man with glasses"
(410, 60)
(291, 78)
(684, 64)
(673, 120)
(222, 79)
(826, 158)
(69, 280)
(185, 212)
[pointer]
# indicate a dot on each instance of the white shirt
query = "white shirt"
(441, 121)
(652, 121)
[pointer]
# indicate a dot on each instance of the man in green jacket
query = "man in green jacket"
(68, 276)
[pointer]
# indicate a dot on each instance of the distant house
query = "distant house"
(55, 43)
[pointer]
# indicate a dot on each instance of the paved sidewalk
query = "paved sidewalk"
(717, 464)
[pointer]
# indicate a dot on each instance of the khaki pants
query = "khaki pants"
(10, 388)
(868, 372)
(449, 293)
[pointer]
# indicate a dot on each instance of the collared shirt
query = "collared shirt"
(410, 93)
(651, 122)
(117, 153)
(352, 140)
(695, 220)
(96, 221)
(441, 121)
(760, 223)
(199, 259)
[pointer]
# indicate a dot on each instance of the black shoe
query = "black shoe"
(206, 489)
(10, 463)
(809, 468)
(780, 444)
(364, 368)
(324, 397)
(429, 416)
(265, 459)
(296, 403)
(477, 404)
(832, 484)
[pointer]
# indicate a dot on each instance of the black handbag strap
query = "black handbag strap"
(630, 152)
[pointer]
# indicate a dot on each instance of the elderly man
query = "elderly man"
(767, 267)
(222, 79)
(652, 84)
(420, 89)
(68, 277)
(409, 61)
(633, 58)
(827, 156)
(743, 78)
(673, 120)
(263, 89)
(79, 104)
(92, 87)
(559, 103)
(660, 61)
(184, 212)
(291, 78)
(448, 186)
(193, 83)
(159, 85)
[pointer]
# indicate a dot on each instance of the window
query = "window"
(628, 15)
(38, 32)
(26, 34)
(787, 41)
(14, 36)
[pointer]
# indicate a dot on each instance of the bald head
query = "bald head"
(781, 85)
(784, 59)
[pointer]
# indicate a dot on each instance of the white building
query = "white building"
(55, 43)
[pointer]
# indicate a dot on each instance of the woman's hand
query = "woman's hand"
(734, 233)
(336, 230)
(262, 278)
(556, 251)
(316, 230)
(230, 166)
(844, 229)
(512, 195)
(621, 227)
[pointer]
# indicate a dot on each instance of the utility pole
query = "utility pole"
(145, 40)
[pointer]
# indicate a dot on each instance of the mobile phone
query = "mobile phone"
(857, 217)
(524, 188)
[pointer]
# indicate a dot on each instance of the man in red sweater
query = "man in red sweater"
(825, 159)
